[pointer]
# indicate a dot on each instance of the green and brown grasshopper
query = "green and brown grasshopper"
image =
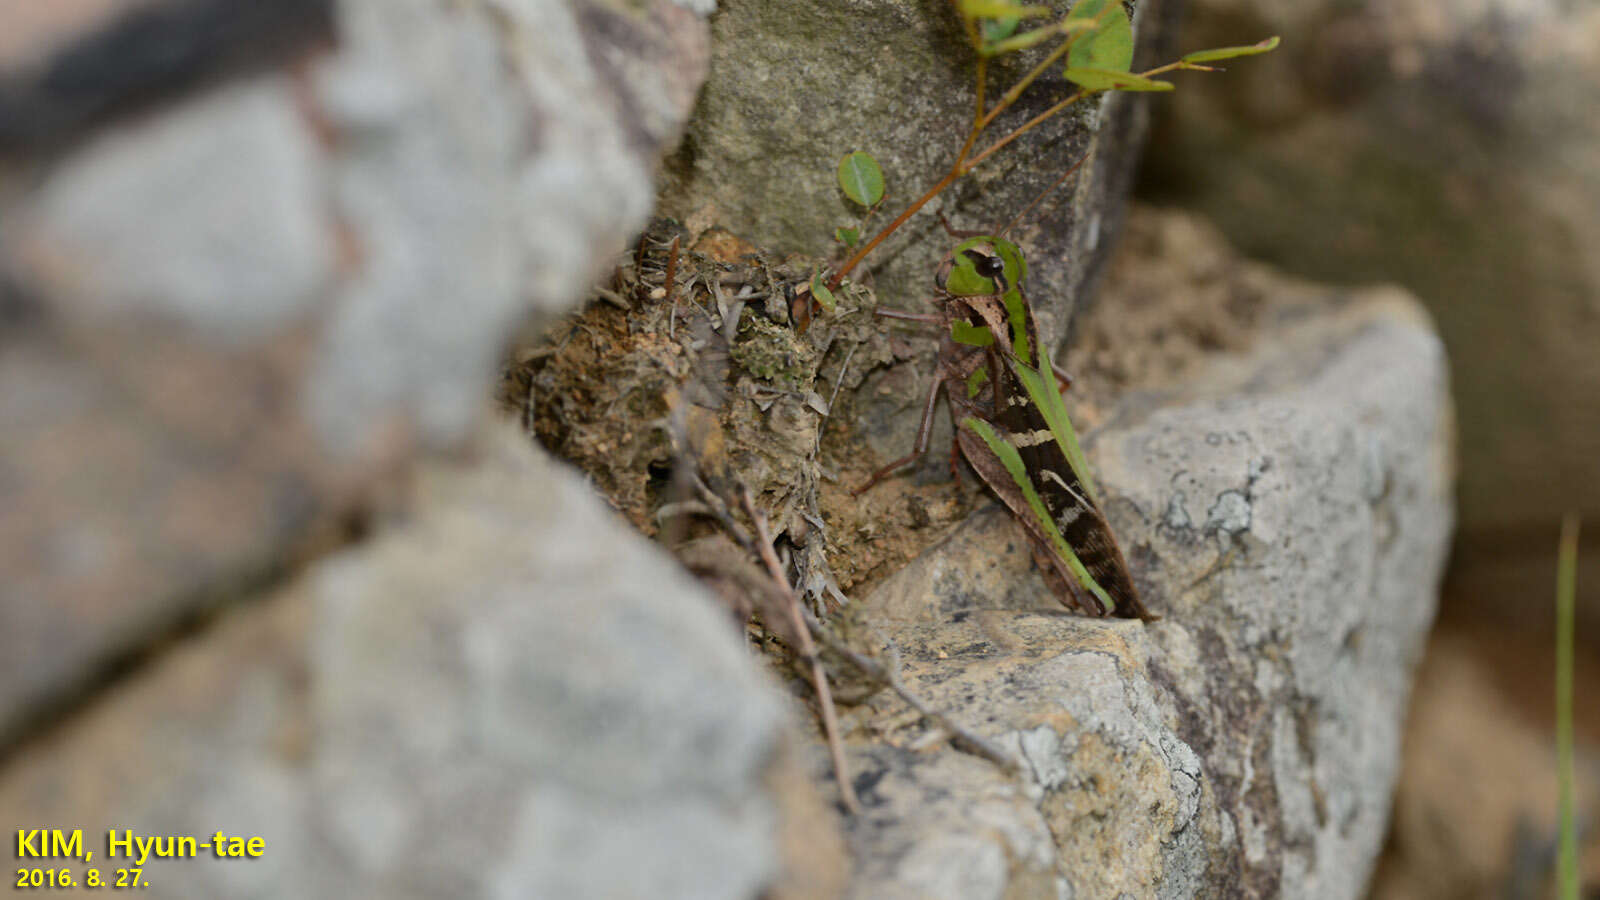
(1005, 402)
(1002, 390)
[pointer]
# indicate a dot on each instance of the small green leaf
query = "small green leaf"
(1001, 9)
(819, 290)
(1201, 56)
(1110, 45)
(1102, 80)
(861, 178)
(847, 236)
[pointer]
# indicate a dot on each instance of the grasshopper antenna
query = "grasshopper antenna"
(1042, 194)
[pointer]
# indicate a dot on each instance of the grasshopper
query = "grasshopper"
(1005, 402)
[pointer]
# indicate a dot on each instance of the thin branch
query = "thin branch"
(1011, 96)
(1023, 129)
(855, 259)
(719, 510)
(808, 651)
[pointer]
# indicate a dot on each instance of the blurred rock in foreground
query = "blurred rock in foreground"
(507, 694)
(247, 273)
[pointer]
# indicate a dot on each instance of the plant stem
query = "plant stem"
(978, 118)
(1566, 590)
(980, 76)
(855, 259)
(1010, 96)
(964, 165)
(1023, 129)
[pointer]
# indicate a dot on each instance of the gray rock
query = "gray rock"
(233, 316)
(221, 198)
(557, 684)
(507, 694)
(1450, 147)
(497, 157)
(1249, 741)
(980, 834)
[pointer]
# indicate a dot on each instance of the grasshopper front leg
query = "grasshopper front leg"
(924, 433)
(924, 318)
(959, 371)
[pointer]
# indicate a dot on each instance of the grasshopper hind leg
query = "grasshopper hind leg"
(925, 433)
(1063, 377)
(1063, 587)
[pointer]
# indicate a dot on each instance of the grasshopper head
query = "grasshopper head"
(985, 265)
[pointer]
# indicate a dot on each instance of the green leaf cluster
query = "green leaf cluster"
(1100, 57)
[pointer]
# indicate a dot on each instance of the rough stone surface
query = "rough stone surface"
(1286, 509)
(153, 454)
(505, 695)
(1451, 147)
(237, 298)
(153, 221)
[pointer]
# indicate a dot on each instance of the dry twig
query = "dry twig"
(808, 651)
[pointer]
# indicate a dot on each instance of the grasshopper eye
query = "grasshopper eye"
(991, 266)
(986, 265)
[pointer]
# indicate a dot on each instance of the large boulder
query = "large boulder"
(1451, 147)
(1286, 507)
